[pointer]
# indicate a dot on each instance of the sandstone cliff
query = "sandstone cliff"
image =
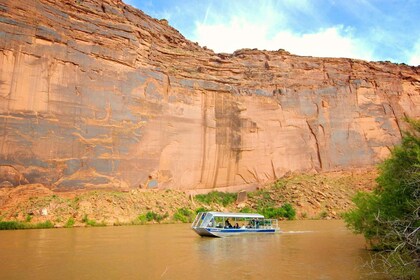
(96, 94)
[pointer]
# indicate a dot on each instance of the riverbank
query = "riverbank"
(312, 196)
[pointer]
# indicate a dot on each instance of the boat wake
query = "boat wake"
(296, 231)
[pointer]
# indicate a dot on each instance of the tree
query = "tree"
(388, 217)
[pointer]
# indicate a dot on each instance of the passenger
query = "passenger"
(252, 223)
(236, 225)
(228, 224)
(249, 224)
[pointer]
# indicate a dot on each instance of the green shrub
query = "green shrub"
(11, 225)
(141, 219)
(70, 223)
(184, 215)
(263, 199)
(150, 216)
(85, 218)
(280, 184)
(290, 212)
(160, 217)
(92, 223)
(323, 214)
(19, 225)
(388, 217)
(200, 209)
(221, 198)
(246, 209)
(46, 224)
(396, 198)
(286, 211)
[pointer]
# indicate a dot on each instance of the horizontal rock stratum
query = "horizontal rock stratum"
(96, 94)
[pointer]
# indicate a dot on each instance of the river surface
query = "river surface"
(305, 250)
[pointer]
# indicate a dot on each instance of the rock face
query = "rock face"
(96, 94)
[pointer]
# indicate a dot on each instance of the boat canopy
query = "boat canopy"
(236, 215)
(217, 224)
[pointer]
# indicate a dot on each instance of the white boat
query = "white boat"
(220, 224)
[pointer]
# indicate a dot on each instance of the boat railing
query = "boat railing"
(250, 224)
(205, 219)
(274, 223)
(269, 224)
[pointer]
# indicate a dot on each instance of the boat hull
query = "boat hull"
(223, 232)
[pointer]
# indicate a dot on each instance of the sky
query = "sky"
(374, 30)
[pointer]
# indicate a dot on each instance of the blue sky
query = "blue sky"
(365, 29)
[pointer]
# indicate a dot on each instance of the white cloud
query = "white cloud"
(271, 25)
(228, 38)
(414, 56)
(363, 29)
(331, 42)
(239, 33)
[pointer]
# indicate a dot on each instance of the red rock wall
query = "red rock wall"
(96, 94)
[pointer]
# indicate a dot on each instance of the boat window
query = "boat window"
(219, 222)
(206, 220)
(199, 219)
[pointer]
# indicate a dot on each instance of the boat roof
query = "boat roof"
(236, 215)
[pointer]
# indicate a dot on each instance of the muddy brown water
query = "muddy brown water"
(305, 250)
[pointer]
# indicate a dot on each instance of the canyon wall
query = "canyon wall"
(96, 94)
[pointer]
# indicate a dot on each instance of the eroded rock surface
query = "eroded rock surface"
(96, 94)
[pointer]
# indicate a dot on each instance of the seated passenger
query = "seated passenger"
(228, 224)
(236, 225)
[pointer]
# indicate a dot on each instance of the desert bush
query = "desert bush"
(286, 211)
(389, 217)
(150, 216)
(8, 225)
(221, 198)
(200, 209)
(247, 209)
(70, 223)
(184, 215)
(11, 225)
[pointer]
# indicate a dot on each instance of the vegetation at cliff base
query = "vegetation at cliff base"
(389, 217)
(285, 211)
(70, 223)
(184, 215)
(150, 216)
(310, 196)
(12, 225)
(223, 198)
(264, 204)
(91, 223)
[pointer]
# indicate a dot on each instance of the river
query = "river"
(305, 250)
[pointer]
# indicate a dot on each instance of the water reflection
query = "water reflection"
(306, 250)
